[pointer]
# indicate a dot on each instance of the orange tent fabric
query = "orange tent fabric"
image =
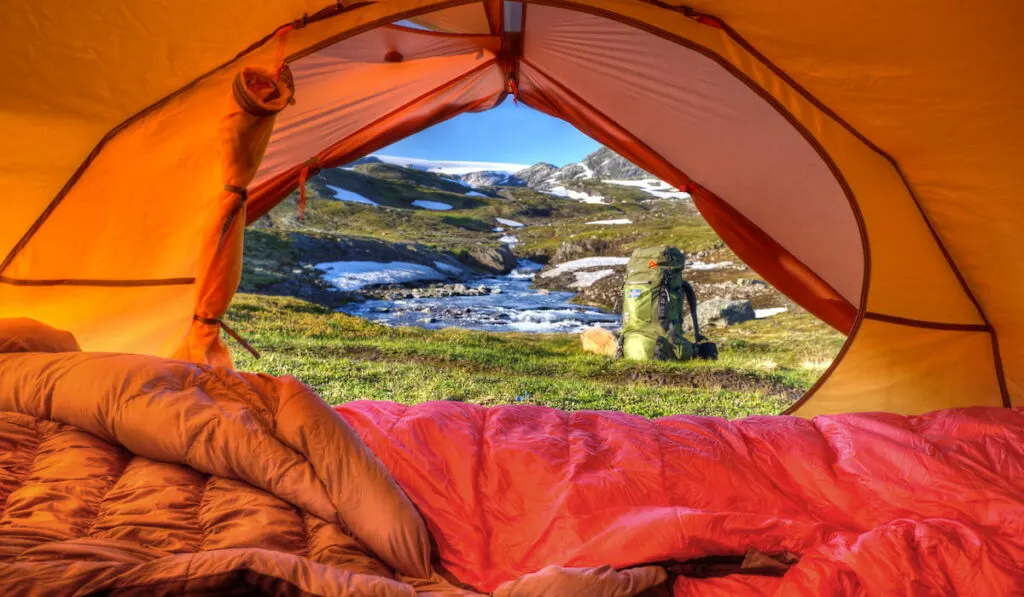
(861, 162)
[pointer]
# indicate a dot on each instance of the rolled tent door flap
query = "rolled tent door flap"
(255, 98)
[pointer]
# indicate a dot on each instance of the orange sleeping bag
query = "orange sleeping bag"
(873, 504)
(136, 475)
(125, 474)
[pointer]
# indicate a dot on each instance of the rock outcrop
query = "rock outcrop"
(720, 312)
(496, 260)
(579, 248)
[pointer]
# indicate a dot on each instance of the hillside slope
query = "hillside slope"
(387, 209)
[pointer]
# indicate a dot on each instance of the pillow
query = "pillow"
(28, 335)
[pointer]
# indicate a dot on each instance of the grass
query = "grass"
(764, 366)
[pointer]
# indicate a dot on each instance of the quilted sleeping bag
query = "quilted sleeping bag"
(126, 474)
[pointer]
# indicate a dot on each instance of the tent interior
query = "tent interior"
(841, 183)
(858, 159)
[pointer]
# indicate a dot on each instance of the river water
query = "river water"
(517, 308)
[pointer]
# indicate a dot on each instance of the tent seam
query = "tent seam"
(97, 282)
(495, 16)
(920, 323)
(330, 41)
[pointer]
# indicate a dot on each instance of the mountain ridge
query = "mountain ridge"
(602, 164)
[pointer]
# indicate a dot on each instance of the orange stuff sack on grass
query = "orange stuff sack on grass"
(599, 341)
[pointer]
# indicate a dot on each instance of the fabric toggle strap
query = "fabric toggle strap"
(230, 332)
(244, 192)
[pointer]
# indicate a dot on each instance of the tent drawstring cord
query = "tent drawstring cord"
(312, 166)
(282, 44)
(303, 175)
(513, 88)
(229, 331)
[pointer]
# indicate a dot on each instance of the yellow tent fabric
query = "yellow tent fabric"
(864, 158)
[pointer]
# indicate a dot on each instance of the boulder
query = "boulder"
(605, 293)
(720, 312)
(497, 260)
(577, 249)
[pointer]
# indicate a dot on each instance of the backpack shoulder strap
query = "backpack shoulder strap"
(691, 298)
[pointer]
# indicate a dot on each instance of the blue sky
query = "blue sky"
(508, 133)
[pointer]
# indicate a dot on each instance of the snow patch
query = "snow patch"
(509, 240)
(763, 313)
(497, 229)
(618, 222)
(586, 279)
(647, 184)
(585, 263)
(346, 195)
(561, 191)
(670, 194)
(653, 186)
(431, 205)
(353, 275)
(457, 167)
(475, 194)
(510, 223)
(701, 266)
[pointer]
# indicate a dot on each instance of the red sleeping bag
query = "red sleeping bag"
(873, 504)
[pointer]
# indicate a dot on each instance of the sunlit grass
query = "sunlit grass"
(762, 366)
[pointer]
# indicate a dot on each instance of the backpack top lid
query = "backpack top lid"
(660, 256)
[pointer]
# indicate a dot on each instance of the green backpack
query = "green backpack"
(652, 308)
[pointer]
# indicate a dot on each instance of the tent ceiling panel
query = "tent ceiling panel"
(70, 76)
(938, 87)
(142, 203)
(749, 242)
(375, 45)
(73, 76)
(336, 98)
(711, 126)
(914, 277)
(480, 89)
(468, 18)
